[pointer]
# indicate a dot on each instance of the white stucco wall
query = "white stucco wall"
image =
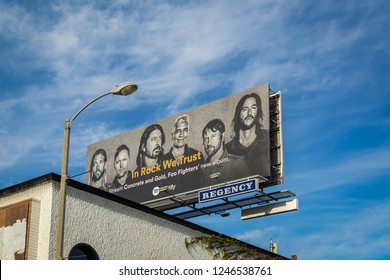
(119, 232)
(114, 230)
(42, 193)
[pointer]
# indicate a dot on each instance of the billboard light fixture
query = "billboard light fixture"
(225, 214)
(215, 175)
(274, 167)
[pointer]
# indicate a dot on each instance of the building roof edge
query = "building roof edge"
(126, 202)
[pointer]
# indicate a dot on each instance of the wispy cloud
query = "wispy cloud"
(343, 236)
(326, 57)
(168, 50)
(347, 236)
(358, 167)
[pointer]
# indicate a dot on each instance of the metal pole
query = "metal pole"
(64, 178)
(62, 197)
(124, 89)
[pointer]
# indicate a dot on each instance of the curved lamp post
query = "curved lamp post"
(124, 89)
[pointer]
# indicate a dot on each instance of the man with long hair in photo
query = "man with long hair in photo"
(98, 170)
(249, 138)
(151, 151)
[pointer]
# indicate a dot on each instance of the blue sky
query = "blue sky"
(329, 58)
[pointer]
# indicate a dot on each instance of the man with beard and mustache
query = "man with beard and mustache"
(121, 165)
(97, 177)
(140, 184)
(151, 150)
(250, 139)
(229, 167)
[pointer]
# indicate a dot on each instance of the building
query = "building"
(98, 225)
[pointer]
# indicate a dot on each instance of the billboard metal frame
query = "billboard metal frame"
(191, 197)
(276, 140)
(260, 198)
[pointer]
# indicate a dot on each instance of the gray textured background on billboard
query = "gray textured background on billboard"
(222, 109)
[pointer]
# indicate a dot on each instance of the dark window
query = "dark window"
(83, 252)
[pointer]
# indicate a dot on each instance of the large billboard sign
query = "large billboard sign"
(170, 161)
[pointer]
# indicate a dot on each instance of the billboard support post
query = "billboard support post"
(124, 89)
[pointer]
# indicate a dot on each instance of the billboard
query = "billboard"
(168, 162)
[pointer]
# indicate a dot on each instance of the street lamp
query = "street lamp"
(124, 89)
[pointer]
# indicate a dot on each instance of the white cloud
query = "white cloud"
(84, 135)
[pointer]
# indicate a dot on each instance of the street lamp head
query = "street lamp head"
(124, 89)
